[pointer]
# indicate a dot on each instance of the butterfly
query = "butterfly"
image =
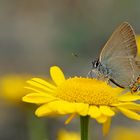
(117, 60)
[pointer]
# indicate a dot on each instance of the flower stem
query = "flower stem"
(84, 127)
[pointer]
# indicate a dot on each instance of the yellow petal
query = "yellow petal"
(37, 85)
(61, 108)
(129, 98)
(57, 75)
(94, 112)
(44, 110)
(106, 126)
(130, 114)
(129, 105)
(38, 98)
(81, 108)
(65, 107)
(107, 111)
(43, 82)
(33, 89)
(69, 119)
(102, 119)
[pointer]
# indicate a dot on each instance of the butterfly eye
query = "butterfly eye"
(95, 63)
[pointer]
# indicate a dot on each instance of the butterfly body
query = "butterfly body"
(99, 71)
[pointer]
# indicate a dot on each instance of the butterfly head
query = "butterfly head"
(95, 63)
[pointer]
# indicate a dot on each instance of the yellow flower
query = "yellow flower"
(82, 96)
(125, 134)
(138, 44)
(65, 135)
(12, 87)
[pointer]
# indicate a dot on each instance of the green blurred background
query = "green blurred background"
(37, 34)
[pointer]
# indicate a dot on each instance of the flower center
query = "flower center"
(86, 90)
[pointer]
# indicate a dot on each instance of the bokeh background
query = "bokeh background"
(37, 34)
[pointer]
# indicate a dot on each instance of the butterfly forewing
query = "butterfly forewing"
(119, 53)
(121, 42)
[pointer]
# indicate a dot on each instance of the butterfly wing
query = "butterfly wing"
(119, 53)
